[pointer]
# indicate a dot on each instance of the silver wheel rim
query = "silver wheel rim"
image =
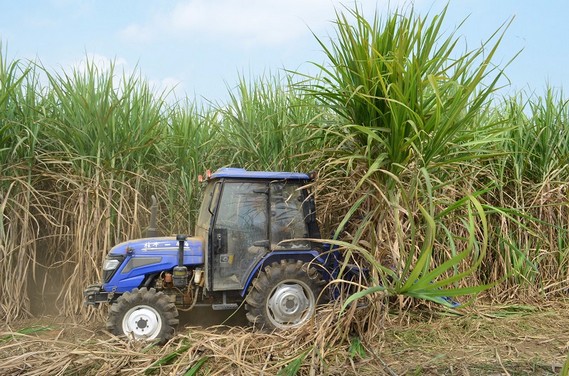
(142, 322)
(291, 304)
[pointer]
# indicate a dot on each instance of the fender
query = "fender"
(311, 256)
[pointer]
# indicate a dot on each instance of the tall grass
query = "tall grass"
(420, 138)
(406, 94)
(408, 103)
(23, 205)
(190, 149)
(84, 154)
(267, 123)
(425, 176)
(88, 150)
(531, 174)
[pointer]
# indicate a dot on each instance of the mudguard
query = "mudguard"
(311, 256)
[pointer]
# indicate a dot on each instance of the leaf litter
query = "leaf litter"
(483, 339)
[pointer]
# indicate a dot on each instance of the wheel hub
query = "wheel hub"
(288, 304)
(142, 322)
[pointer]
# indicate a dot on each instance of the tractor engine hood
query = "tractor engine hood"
(161, 246)
(129, 263)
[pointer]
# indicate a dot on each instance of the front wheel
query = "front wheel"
(284, 295)
(143, 315)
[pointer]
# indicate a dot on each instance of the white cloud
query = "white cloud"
(265, 22)
(168, 86)
(248, 22)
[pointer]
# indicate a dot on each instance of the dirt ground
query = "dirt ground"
(484, 340)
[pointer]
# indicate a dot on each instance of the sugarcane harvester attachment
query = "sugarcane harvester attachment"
(252, 245)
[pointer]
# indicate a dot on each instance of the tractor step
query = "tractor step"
(224, 306)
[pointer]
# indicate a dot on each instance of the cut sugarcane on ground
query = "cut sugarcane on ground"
(479, 340)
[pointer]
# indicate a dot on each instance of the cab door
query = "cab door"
(288, 220)
(240, 233)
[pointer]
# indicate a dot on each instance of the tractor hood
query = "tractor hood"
(129, 263)
(161, 246)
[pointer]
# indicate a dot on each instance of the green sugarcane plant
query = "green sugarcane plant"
(266, 125)
(408, 106)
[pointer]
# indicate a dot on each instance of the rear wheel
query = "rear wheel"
(284, 295)
(143, 315)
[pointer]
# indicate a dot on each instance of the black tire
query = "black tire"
(143, 315)
(284, 295)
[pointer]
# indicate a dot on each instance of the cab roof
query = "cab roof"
(241, 173)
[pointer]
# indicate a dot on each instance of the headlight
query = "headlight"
(111, 264)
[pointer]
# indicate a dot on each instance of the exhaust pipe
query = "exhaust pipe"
(152, 229)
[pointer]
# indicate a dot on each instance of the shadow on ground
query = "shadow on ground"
(205, 317)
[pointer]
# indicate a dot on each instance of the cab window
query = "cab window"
(287, 217)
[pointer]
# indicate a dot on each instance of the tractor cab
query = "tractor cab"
(246, 215)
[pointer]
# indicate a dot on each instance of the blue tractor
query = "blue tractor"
(252, 244)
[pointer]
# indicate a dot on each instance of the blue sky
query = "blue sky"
(201, 46)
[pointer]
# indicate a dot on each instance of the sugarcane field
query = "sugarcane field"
(394, 212)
